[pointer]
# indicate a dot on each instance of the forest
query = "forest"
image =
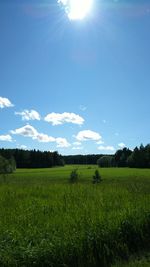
(32, 158)
(138, 158)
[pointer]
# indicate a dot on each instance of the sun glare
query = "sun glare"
(77, 9)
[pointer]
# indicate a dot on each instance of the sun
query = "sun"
(77, 9)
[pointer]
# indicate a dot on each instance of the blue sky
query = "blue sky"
(75, 86)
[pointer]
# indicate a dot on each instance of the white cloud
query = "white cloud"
(5, 102)
(121, 145)
(106, 148)
(44, 138)
(23, 147)
(30, 131)
(29, 115)
(77, 148)
(60, 118)
(62, 142)
(100, 142)
(27, 130)
(6, 138)
(88, 135)
(76, 143)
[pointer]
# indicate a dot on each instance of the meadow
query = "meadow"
(46, 221)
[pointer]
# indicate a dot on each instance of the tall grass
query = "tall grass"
(45, 221)
(141, 260)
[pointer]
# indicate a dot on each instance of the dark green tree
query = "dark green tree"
(140, 158)
(97, 177)
(3, 165)
(121, 157)
(6, 166)
(106, 161)
(12, 164)
(33, 158)
(74, 176)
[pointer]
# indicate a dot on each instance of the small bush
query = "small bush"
(74, 176)
(97, 177)
(7, 165)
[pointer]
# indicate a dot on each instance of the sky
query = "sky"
(78, 86)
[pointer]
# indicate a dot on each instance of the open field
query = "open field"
(45, 221)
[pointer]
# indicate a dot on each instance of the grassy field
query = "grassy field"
(136, 261)
(45, 221)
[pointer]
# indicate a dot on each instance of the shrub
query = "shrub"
(74, 176)
(97, 177)
(7, 165)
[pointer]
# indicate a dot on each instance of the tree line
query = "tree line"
(82, 159)
(137, 158)
(32, 158)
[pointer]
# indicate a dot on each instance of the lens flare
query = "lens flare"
(77, 9)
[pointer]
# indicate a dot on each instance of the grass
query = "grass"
(45, 221)
(140, 261)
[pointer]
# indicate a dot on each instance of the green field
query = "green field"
(45, 221)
